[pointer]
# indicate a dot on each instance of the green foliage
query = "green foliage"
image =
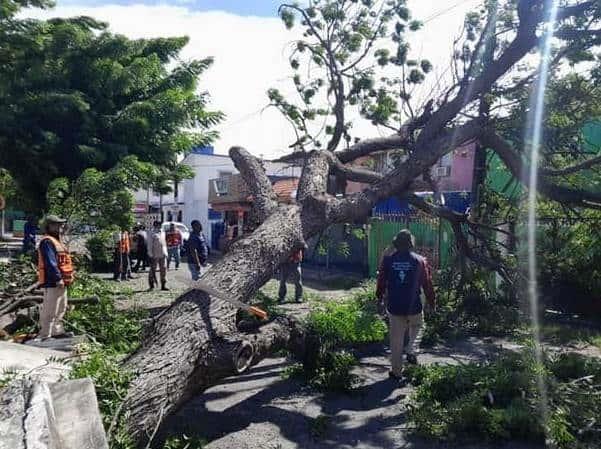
(329, 370)
(117, 331)
(346, 322)
(500, 400)
(470, 305)
(184, 442)
(101, 247)
(349, 321)
(319, 426)
(74, 96)
(558, 334)
(351, 47)
(111, 382)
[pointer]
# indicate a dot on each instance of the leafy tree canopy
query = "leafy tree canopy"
(74, 96)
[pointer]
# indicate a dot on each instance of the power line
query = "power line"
(446, 10)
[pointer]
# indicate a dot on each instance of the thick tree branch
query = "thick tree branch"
(253, 173)
(521, 171)
(572, 168)
(456, 220)
(350, 173)
(314, 179)
(398, 181)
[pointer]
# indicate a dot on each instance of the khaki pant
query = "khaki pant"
(53, 311)
(160, 263)
(399, 324)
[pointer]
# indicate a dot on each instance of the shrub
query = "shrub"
(100, 247)
(349, 321)
(470, 306)
(329, 371)
(500, 400)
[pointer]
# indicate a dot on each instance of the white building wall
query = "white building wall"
(194, 193)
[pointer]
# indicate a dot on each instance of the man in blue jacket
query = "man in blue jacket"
(55, 274)
(401, 277)
(197, 250)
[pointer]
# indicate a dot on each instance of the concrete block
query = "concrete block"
(64, 415)
(40, 364)
(79, 425)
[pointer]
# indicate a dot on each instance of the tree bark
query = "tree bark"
(193, 344)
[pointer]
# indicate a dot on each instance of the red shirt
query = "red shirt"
(173, 238)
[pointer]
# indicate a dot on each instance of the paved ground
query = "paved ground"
(261, 409)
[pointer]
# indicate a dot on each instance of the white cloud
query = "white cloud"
(251, 56)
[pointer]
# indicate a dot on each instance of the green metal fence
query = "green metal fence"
(433, 238)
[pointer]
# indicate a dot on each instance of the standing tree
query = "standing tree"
(196, 342)
(74, 96)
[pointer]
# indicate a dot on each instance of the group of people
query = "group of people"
(156, 249)
(402, 276)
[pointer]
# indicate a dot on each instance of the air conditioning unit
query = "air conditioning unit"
(221, 186)
(441, 172)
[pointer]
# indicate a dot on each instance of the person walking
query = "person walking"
(141, 248)
(121, 262)
(291, 270)
(198, 250)
(55, 274)
(401, 277)
(30, 230)
(157, 253)
(174, 245)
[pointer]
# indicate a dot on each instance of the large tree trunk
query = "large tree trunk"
(196, 342)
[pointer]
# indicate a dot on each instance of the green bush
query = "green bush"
(349, 321)
(330, 370)
(470, 305)
(500, 400)
(101, 247)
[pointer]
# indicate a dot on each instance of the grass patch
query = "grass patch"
(500, 400)
(328, 370)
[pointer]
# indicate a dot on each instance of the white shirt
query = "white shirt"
(157, 246)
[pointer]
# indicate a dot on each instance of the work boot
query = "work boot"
(164, 287)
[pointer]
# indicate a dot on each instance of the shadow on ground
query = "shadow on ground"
(261, 409)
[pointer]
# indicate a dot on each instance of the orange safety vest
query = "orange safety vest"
(124, 245)
(65, 264)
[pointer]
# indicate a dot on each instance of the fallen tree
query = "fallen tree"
(196, 341)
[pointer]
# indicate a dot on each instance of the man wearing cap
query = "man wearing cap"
(401, 277)
(55, 274)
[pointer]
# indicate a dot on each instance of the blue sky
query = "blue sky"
(263, 8)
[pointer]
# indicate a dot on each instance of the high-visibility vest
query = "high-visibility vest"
(65, 264)
(124, 244)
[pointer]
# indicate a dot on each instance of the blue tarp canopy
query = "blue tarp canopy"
(457, 201)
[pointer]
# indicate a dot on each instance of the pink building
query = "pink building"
(454, 172)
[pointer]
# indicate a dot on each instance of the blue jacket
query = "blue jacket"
(51, 271)
(402, 276)
(197, 243)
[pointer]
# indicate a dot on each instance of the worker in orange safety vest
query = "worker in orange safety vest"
(55, 274)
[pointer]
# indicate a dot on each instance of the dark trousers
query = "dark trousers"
(291, 271)
(141, 259)
(121, 266)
